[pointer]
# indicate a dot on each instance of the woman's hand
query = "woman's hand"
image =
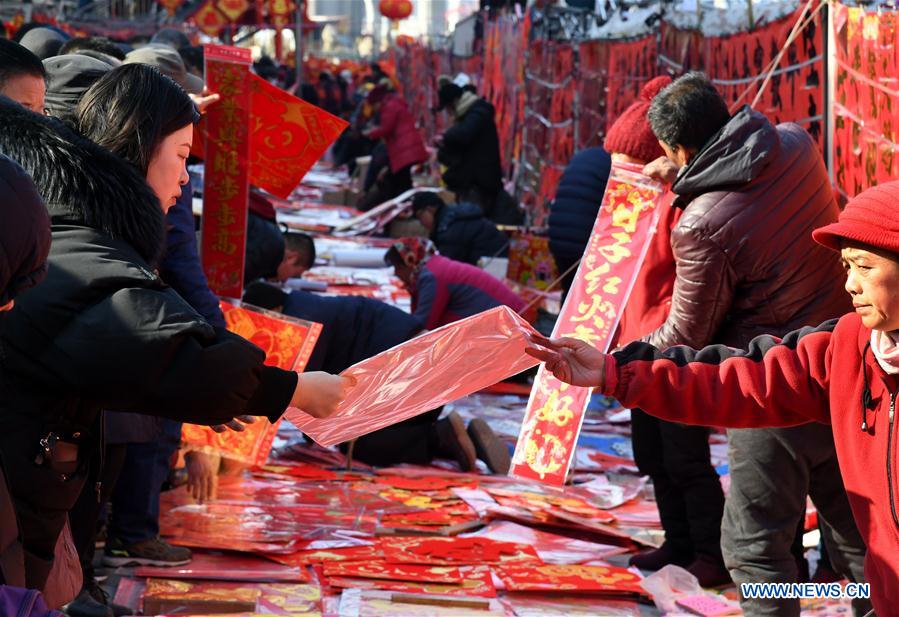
(202, 475)
(319, 393)
(570, 360)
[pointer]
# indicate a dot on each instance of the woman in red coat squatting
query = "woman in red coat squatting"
(845, 372)
(405, 147)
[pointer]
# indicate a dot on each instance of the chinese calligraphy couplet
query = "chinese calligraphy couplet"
(592, 310)
(225, 183)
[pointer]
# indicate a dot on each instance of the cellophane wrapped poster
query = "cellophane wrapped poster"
(422, 374)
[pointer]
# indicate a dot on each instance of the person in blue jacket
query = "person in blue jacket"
(573, 211)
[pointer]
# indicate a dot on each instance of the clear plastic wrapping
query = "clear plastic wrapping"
(422, 374)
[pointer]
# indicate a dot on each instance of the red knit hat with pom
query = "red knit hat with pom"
(630, 134)
(871, 217)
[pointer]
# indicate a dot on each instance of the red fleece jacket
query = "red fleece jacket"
(818, 374)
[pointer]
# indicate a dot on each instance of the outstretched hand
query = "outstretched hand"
(570, 360)
(204, 100)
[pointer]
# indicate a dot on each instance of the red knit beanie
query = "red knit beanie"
(871, 217)
(630, 134)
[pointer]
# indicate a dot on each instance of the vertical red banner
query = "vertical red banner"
(226, 176)
(618, 244)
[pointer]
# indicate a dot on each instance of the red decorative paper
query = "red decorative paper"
(477, 583)
(356, 553)
(455, 551)
(228, 567)
(738, 63)
(591, 312)
(866, 115)
(226, 176)
(163, 595)
(396, 572)
(305, 471)
(549, 504)
(287, 344)
(209, 19)
(426, 483)
(570, 578)
(289, 136)
(233, 9)
(293, 600)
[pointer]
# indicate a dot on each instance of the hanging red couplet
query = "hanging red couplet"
(592, 310)
(226, 177)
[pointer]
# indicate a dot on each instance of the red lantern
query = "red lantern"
(395, 9)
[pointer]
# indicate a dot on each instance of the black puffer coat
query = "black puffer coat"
(470, 151)
(102, 331)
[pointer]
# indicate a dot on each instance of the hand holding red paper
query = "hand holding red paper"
(570, 360)
(318, 393)
(662, 169)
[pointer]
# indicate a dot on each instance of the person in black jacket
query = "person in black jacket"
(459, 231)
(103, 331)
(470, 151)
(573, 212)
(24, 245)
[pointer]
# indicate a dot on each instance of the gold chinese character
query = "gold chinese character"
(617, 251)
(556, 410)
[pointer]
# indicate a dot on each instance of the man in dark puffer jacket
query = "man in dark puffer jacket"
(746, 265)
(459, 231)
(103, 331)
(573, 212)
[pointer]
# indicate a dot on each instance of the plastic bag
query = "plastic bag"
(672, 589)
(422, 374)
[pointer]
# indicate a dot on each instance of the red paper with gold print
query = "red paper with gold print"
(477, 583)
(611, 263)
(371, 552)
(455, 551)
(287, 344)
(164, 595)
(570, 579)
(451, 575)
(289, 136)
(226, 175)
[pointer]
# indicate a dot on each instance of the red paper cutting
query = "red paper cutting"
(396, 572)
(455, 551)
(422, 374)
(477, 583)
(570, 578)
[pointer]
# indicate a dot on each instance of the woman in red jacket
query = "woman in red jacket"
(844, 372)
(405, 147)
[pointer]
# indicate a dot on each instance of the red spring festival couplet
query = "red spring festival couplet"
(225, 183)
(592, 310)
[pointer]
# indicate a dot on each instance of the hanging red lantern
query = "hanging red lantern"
(395, 9)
